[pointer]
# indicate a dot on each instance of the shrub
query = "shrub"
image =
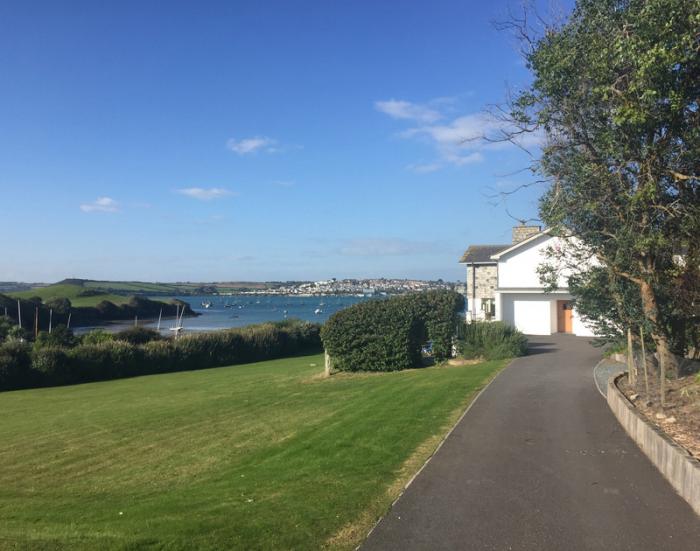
(52, 365)
(59, 336)
(491, 340)
(138, 335)
(15, 366)
(106, 360)
(96, 336)
(386, 335)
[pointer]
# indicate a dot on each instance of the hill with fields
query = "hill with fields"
(86, 303)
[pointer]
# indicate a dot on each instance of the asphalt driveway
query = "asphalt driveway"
(540, 463)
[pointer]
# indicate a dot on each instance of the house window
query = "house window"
(488, 307)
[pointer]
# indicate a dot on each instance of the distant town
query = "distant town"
(353, 287)
(333, 286)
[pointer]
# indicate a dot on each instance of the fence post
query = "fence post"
(630, 359)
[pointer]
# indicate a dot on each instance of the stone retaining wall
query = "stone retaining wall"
(680, 468)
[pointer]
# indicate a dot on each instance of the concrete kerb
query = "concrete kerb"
(677, 466)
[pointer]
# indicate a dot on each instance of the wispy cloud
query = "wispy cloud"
(458, 141)
(204, 194)
(385, 247)
(424, 168)
(101, 204)
(400, 109)
(246, 146)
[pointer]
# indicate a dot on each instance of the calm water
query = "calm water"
(240, 310)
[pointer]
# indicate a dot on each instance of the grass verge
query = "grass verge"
(254, 456)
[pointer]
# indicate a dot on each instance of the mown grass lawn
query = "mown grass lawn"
(256, 456)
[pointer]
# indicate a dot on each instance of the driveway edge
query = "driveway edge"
(436, 450)
(677, 466)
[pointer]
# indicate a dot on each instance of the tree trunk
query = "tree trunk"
(668, 362)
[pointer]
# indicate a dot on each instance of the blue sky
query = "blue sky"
(252, 140)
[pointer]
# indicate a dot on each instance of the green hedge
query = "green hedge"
(387, 335)
(491, 340)
(24, 367)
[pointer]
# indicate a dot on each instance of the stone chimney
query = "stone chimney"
(522, 232)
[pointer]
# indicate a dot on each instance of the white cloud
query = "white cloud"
(204, 194)
(101, 204)
(246, 146)
(399, 109)
(457, 141)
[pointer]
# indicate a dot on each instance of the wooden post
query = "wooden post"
(644, 361)
(662, 380)
(36, 322)
(630, 359)
(328, 364)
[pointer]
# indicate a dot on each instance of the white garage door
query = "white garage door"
(532, 316)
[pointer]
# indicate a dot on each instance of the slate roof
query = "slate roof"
(482, 253)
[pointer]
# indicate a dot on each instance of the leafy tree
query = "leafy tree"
(5, 326)
(59, 305)
(616, 93)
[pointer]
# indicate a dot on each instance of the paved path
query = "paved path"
(604, 370)
(540, 463)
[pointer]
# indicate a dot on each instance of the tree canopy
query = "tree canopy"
(616, 94)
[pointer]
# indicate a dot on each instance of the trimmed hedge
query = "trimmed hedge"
(387, 335)
(22, 367)
(491, 340)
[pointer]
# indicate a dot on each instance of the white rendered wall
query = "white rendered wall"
(519, 268)
(580, 328)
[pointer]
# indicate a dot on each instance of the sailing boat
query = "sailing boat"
(177, 328)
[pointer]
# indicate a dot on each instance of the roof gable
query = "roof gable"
(514, 248)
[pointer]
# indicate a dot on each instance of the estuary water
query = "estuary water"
(240, 310)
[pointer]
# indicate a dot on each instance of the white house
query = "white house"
(505, 286)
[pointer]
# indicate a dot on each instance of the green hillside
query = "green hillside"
(72, 292)
(257, 456)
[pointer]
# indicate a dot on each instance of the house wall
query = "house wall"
(486, 280)
(519, 269)
(580, 328)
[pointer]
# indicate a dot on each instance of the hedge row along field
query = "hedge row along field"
(387, 335)
(23, 365)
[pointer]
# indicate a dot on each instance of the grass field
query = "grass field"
(69, 291)
(255, 456)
